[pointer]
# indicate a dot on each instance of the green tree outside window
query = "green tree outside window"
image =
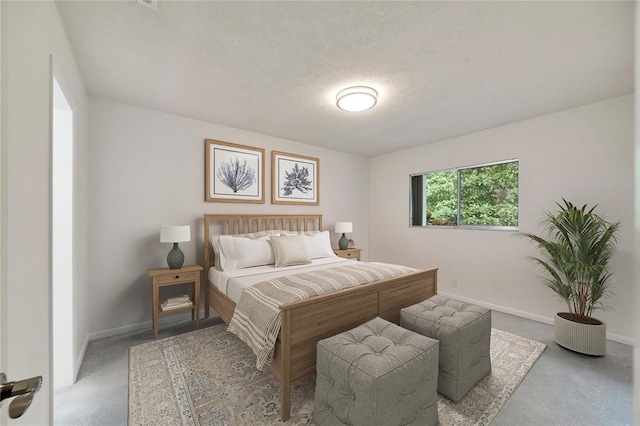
(485, 195)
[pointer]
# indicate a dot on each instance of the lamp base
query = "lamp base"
(343, 243)
(175, 258)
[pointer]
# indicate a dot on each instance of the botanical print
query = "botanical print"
(297, 180)
(294, 179)
(234, 173)
(237, 175)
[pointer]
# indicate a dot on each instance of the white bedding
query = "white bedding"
(234, 282)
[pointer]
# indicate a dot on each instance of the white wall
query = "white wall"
(147, 170)
(31, 32)
(584, 155)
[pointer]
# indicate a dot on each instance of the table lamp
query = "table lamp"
(175, 235)
(342, 228)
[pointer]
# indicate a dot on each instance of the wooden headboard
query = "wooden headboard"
(227, 224)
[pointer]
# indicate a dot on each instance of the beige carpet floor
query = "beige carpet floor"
(208, 377)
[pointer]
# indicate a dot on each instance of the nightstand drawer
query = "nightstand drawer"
(351, 253)
(177, 278)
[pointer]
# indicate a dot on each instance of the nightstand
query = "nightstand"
(163, 277)
(350, 253)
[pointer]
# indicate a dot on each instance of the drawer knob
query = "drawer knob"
(177, 276)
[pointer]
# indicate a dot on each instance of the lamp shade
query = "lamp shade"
(175, 234)
(342, 227)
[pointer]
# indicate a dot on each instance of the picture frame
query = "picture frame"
(233, 173)
(295, 179)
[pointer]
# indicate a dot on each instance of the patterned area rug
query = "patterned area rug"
(208, 377)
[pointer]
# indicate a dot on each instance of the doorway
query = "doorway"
(62, 238)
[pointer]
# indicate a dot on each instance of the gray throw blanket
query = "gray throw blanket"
(257, 318)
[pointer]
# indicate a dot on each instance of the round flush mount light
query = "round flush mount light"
(356, 98)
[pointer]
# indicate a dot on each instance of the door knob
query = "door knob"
(23, 390)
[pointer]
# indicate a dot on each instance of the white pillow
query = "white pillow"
(318, 245)
(240, 253)
(219, 258)
(289, 250)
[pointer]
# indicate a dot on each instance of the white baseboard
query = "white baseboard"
(620, 339)
(146, 325)
(545, 320)
(79, 359)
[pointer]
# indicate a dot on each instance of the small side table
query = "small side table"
(163, 277)
(350, 253)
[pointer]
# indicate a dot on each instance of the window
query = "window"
(478, 196)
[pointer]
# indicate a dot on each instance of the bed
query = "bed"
(305, 322)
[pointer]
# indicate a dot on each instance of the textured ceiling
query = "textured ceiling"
(442, 69)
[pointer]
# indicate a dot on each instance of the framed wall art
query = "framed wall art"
(295, 179)
(233, 173)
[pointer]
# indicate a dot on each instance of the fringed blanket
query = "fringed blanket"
(257, 318)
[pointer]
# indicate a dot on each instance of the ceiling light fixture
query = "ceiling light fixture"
(356, 98)
(153, 4)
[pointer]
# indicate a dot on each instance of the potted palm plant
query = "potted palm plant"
(575, 255)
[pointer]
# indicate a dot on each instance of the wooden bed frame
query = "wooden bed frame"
(305, 322)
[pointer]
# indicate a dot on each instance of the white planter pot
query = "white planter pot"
(584, 338)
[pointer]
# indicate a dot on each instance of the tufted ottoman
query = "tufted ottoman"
(464, 333)
(376, 374)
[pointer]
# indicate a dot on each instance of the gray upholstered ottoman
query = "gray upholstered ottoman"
(377, 374)
(464, 333)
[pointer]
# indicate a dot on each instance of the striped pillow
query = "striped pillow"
(289, 250)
